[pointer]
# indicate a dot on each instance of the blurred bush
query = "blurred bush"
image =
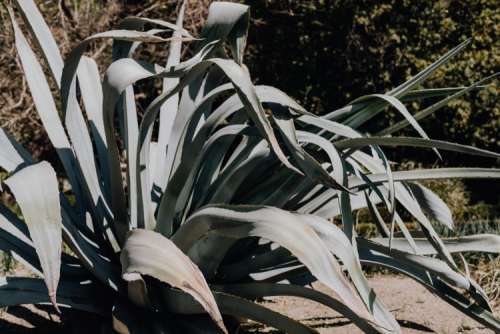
(326, 53)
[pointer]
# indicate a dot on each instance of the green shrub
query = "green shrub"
(341, 49)
(220, 191)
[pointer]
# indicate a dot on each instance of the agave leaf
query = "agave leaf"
(429, 174)
(73, 59)
(227, 21)
(331, 208)
(20, 290)
(74, 120)
(74, 237)
(137, 23)
(190, 151)
(273, 95)
(45, 105)
(255, 261)
(340, 246)
(12, 155)
(396, 103)
(431, 204)
(246, 92)
(304, 160)
(434, 284)
(43, 36)
(436, 106)
(404, 197)
(433, 265)
(248, 96)
(420, 94)
(15, 241)
(276, 225)
(149, 253)
(119, 76)
(329, 125)
(169, 109)
(369, 110)
(425, 73)
(132, 130)
(487, 243)
(260, 290)
(91, 90)
(178, 302)
(413, 142)
(36, 190)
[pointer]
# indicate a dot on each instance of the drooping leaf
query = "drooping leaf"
(413, 142)
(434, 284)
(487, 243)
(36, 190)
(431, 204)
(285, 229)
(81, 296)
(179, 302)
(260, 290)
(149, 253)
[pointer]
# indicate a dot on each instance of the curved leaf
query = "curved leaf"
(431, 204)
(179, 302)
(19, 290)
(150, 253)
(260, 290)
(413, 142)
(36, 190)
(487, 243)
(282, 227)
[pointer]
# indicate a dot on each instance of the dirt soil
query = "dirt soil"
(416, 309)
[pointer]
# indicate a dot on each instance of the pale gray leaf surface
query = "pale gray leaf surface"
(150, 253)
(488, 243)
(277, 225)
(431, 204)
(37, 193)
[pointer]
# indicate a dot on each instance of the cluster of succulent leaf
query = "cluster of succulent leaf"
(221, 192)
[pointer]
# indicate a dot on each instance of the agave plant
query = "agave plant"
(221, 192)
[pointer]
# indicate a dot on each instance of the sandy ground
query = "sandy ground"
(417, 310)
